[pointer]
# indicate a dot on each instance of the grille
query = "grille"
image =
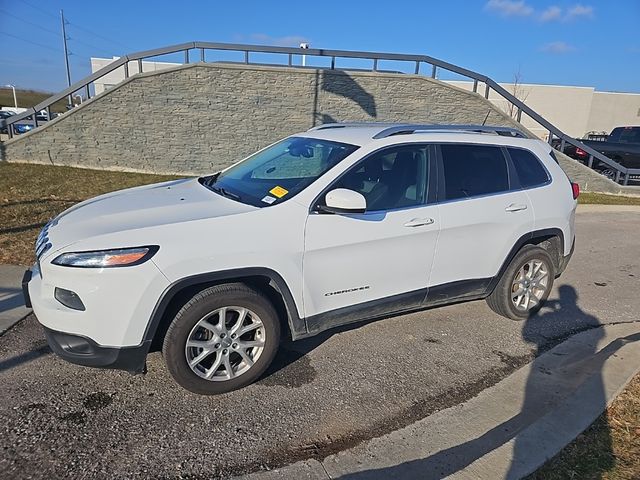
(42, 243)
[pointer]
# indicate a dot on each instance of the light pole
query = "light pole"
(15, 100)
(304, 46)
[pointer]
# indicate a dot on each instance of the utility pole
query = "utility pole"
(66, 57)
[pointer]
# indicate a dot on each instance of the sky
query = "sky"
(590, 43)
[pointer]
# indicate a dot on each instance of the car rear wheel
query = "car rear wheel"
(525, 285)
(223, 339)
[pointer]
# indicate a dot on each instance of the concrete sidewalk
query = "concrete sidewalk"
(508, 430)
(12, 308)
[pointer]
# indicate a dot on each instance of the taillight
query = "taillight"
(575, 189)
(580, 152)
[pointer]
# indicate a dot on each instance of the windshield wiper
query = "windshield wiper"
(225, 193)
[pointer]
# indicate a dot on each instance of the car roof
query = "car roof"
(393, 133)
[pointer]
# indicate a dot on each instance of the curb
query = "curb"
(508, 430)
(12, 309)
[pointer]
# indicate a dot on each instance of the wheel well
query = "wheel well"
(260, 283)
(553, 245)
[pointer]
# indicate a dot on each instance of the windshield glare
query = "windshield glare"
(280, 171)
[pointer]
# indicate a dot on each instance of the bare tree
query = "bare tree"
(518, 91)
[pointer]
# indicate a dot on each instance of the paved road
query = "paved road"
(323, 394)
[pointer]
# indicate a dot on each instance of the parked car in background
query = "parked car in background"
(339, 224)
(622, 145)
(22, 126)
(4, 114)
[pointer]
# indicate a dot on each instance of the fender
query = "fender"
(296, 324)
(523, 240)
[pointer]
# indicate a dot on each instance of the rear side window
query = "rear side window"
(472, 170)
(530, 172)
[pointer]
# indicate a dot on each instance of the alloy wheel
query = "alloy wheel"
(530, 285)
(225, 343)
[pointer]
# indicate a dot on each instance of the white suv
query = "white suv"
(339, 224)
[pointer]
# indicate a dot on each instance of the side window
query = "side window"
(393, 178)
(472, 170)
(530, 172)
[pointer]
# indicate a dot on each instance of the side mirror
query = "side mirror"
(342, 200)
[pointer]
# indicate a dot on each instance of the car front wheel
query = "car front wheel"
(223, 339)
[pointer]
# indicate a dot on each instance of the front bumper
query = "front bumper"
(84, 351)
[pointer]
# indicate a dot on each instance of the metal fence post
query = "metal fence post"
(333, 63)
(590, 161)
(486, 91)
(290, 59)
(417, 70)
(434, 71)
(126, 70)
(246, 56)
(519, 116)
(202, 55)
(87, 91)
(626, 179)
(475, 86)
(139, 65)
(550, 139)
(617, 176)
(375, 64)
(186, 56)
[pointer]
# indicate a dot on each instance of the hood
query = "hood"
(141, 207)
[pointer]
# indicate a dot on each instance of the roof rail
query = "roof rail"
(391, 128)
(327, 126)
(407, 129)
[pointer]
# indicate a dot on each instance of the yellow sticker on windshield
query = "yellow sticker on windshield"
(278, 191)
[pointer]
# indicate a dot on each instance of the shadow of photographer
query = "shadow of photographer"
(557, 321)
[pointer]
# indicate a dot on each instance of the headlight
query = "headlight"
(122, 257)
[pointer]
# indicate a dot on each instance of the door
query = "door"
(373, 263)
(481, 218)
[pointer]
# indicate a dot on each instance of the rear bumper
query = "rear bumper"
(84, 351)
(564, 261)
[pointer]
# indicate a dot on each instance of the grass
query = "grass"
(29, 98)
(32, 194)
(607, 199)
(609, 449)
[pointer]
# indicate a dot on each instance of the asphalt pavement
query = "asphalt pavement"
(323, 395)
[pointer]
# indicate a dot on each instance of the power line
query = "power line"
(79, 27)
(41, 10)
(31, 42)
(30, 23)
(72, 39)
(98, 35)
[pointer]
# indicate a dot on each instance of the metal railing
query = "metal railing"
(417, 62)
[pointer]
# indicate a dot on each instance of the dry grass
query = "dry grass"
(606, 199)
(29, 98)
(609, 449)
(32, 194)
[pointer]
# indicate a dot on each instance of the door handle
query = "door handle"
(419, 222)
(515, 207)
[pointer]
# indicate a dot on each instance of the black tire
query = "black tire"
(205, 302)
(501, 299)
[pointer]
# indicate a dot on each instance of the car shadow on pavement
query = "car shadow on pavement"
(539, 330)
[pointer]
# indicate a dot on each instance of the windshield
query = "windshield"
(278, 172)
